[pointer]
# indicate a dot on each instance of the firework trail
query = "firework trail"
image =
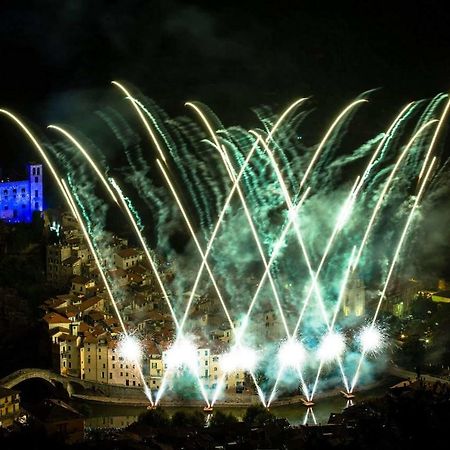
(270, 187)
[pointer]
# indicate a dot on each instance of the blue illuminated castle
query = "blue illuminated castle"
(19, 199)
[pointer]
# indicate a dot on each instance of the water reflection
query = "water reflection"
(310, 417)
(116, 416)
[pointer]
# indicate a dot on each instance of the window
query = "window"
(104, 365)
(206, 363)
(114, 366)
(103, 374)
(126, 374)
(14, 191)
(5, 192)
(99, 356)
(113, 358)
(134, 383)
(36, 179)
(36, 205)
(110, 375)
(36, 193)
(34, 171)
(38, 170)
(70, 365)
(121, 374)
(23, 190)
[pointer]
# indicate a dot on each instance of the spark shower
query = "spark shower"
(294, 244)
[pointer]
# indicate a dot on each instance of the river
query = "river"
(117, 416)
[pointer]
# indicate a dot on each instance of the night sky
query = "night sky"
(58, 57)
(230, 55)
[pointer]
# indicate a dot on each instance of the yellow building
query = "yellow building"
(120, 372)
(88, 358)
(153, 368)
(69, 355)
(9, 406)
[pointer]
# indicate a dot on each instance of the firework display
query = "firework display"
(293, 244)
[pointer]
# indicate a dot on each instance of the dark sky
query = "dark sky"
(228, 54)
(58, 57)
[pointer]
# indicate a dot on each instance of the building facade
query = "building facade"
(20, 199)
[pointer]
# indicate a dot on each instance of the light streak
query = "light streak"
(393, 263)
(91, 245)
(88, 157)
(142, 117)
(386, 188)
(433, 140)
(146, 250)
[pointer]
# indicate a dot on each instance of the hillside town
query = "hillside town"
(85, 332)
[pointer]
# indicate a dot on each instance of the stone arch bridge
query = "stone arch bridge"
(69, 384)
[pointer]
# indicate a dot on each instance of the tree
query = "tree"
(257, 415)
(220, 419)
(157, 418)
(183, 419)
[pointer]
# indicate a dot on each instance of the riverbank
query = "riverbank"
(232, 401)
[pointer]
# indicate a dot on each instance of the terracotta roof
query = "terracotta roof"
(53, 317)
(83, 327)
(151, 348)
(135, 277)
(127, 253)
(96, 315)
(57, 330)
(89, 303)
(90, 339)
(80, 280)
(66, 337)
